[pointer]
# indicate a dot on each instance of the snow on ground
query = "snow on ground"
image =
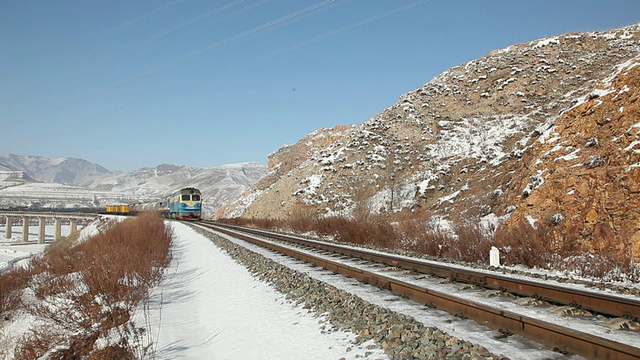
(513, 347)
(14, 251)
(14, 255)
(210, 307)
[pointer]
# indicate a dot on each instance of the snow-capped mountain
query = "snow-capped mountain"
(68, 171)
(218, 185)
(35, 181)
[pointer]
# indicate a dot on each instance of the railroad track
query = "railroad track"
(563, 338)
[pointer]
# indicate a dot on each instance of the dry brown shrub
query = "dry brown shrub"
(522, 244)
(301, 219)
(267, 223)
(11, 283)
(551, 245)
(91, 288)
(35, 346)
(432, 243)
(376, 231)
(468, 241)
(466, 244)
(470, 244)
(416, 235)
(302, 225)
(413, 225)
(113, 352)
(382, 233)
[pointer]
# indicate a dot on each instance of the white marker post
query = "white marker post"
(494, 257)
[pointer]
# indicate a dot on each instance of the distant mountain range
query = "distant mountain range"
(69, 171)
(36, 181)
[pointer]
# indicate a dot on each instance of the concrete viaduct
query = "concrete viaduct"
(42, 216)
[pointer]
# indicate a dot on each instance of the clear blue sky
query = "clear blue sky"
(128, 83)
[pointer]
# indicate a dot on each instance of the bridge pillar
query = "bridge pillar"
(41, 230)
(7, 229)
(74, 225)
(25, 228)
(58, 233)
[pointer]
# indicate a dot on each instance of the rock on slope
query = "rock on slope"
(545, 132)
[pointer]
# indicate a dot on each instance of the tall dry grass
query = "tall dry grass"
(11, 283)
(554, 247)
(84, 294)
(396, 233)
(548, 246)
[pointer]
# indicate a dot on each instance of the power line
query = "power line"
(125, 24)
(194, 20)
(196, 53)
(220, 43)
(348, 27)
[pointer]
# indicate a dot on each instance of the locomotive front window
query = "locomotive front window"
(195, 197)
(186, 197)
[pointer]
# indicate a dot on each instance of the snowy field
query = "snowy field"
(14, 250)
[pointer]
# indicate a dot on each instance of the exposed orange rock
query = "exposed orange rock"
(597, 191)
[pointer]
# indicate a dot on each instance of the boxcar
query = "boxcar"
(118, 209)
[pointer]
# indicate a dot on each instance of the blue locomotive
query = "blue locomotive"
(184, 204)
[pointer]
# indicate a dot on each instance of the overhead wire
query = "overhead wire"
(218, 44)
(194, 20)
(151, 13)
(137, 45)
(336, 4)
(200, 51)
(348, 27)
(115, 29)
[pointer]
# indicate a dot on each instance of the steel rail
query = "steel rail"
(564, 339)
(598, 302)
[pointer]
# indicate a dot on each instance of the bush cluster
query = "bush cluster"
(519, 244)
(84, 294)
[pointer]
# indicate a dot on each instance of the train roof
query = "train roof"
(187, 190)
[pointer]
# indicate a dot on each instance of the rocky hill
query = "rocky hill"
(545, 132)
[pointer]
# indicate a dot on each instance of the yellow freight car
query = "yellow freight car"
(111, 209)
(118, 209)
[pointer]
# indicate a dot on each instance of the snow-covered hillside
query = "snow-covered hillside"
(536, 132)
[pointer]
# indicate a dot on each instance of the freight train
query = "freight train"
(184, 204)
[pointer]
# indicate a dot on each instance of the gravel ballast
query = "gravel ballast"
(401, 336)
